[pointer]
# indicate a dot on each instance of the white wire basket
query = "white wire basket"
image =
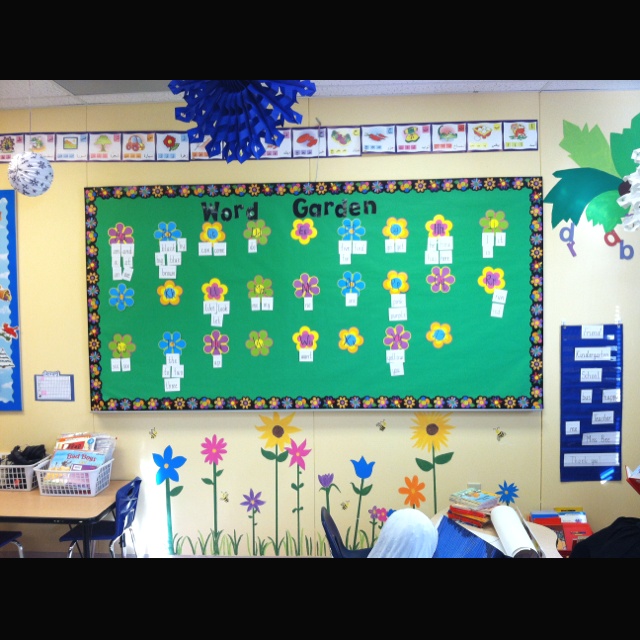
(74, 483)
(18, 477)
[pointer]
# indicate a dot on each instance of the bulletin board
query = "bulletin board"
(10, 367)
(393, 294)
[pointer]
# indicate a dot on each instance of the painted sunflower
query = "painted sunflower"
(431, 430)
(277, 431)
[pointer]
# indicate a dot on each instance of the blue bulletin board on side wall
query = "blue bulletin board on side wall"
(393, 294)
(10, 371)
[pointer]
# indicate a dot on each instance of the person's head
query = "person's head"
(408, 533)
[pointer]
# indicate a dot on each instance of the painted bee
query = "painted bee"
(382, 425)
(499, 433)
(345, 505)
(224, 496)
(153, 433)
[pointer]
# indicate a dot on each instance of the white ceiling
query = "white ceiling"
(32, 94)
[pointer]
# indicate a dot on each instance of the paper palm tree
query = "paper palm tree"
(594, 188)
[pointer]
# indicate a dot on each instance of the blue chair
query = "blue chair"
(114, 530)
(336, 545)
(7, 537)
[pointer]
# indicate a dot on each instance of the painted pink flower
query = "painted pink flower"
(213, 450)
(298, 453)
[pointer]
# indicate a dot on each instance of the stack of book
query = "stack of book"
(82, 452)
(472, 506)
(569, 523)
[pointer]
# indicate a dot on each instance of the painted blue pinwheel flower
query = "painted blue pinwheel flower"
(508, 493)
(594, 187)
(239, 115)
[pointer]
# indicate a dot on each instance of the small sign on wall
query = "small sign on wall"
(51, 386)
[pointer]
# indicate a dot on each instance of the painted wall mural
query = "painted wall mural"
(284, 447)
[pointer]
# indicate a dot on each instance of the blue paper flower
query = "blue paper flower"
(239, 115)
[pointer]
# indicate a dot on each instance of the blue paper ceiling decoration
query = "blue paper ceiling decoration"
(239, 115)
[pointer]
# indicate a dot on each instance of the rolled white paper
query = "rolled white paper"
(510, 530)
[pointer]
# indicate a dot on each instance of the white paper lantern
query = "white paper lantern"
(30, 174)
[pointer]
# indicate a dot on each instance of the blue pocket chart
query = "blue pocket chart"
(591, 403)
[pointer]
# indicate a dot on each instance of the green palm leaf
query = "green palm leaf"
(623, 145)
(588, 148)
(575, 190)
(605, 210)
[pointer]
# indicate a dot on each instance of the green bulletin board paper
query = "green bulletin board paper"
(228, 242)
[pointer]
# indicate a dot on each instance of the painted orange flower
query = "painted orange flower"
(413, 492)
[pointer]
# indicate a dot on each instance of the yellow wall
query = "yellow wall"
(589, 289)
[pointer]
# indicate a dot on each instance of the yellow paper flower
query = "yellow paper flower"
(439, 227)
(306, 339)
(396, 229)
(304, 231)
(492, 279)
(170, 293)
(212, 232)
(439, 335)
(350, 340)
(214, 290)
(396, 282)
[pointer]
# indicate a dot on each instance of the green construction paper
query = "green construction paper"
(605, 210)
(623, 145)
(588, 148)
(575, 190)
(489, 356)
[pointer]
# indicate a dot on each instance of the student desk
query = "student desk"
(32, 507)
(546, 537)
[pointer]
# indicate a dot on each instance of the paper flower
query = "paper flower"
(239, 115)
(30, 174)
